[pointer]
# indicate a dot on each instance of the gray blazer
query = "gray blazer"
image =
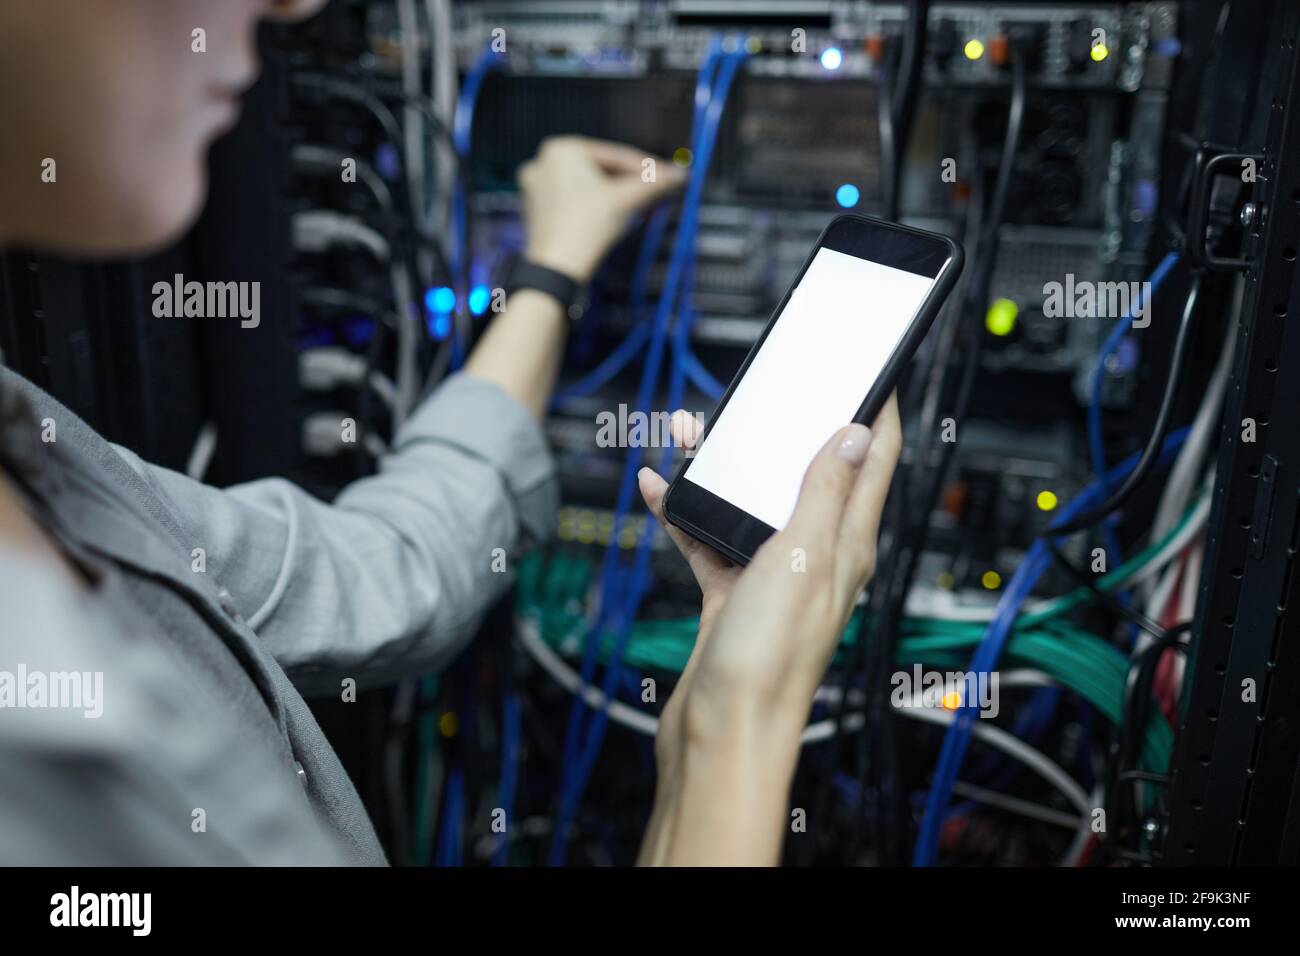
(210, 613)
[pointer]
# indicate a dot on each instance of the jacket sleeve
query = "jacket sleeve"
(391, 578)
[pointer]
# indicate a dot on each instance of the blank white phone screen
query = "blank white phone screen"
(821, 357)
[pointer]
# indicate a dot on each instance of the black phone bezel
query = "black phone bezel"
(736, 533)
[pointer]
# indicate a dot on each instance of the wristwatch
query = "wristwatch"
(523, 274)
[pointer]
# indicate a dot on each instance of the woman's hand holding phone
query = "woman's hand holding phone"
(729, 736)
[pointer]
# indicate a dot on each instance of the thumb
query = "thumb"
(705, 563)
(827, 484)
(635, 191)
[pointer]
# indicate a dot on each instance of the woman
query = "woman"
(187, 619)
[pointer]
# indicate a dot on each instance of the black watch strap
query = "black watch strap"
(529, 275)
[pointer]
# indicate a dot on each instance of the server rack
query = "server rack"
(1233, 794)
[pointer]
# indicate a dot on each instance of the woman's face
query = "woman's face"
(107, 110)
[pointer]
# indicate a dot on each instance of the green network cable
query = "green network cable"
(553, 593)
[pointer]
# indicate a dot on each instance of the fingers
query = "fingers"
(634, 193)
(860, 527)
(815, 524)
(615, 158)
(653, 488)
(685, 429)
(637, 178)
(704, 561)
(608, 156)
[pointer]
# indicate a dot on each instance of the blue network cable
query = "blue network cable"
(1095, 447)
(449, 832)
(1096, 450)
(633, 342)
(701, 377)
(510, 728)
(620, 591)
(640, 575)
(610, 577)
(611, 571)
(461, 136)
(957, 738)
(706, 95)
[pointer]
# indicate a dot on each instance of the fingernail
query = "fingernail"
(854, 440)
(640, 475)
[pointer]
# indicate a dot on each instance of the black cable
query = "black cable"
(898, 85)
(1102, 597)
(1128, 747)
(1145, 776)
(428, 110)
(425, 105)
(414, 233)
(1164, 417)
(889, 151)
(374, 104)
(912, 542)
(894, 115)
(977, 292)
(915, 34)
(888, 594)
(359, 94)
(889, 590)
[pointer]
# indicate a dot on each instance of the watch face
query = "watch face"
(578, 307)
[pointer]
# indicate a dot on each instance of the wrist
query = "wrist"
(564, 261)
(743, 728)
(729, 805)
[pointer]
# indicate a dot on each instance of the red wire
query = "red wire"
(1165, 690)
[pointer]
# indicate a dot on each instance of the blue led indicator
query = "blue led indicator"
(440, 325)
(847, 196)
(479, 297)
(440, 299)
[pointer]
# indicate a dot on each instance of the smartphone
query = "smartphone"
(830, 355)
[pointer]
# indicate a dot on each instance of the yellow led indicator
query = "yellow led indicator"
(951, 700)
(682, 156)
(1001, 317)
(1099, 53)
(973, 49)
(753, 45)
(1046, 501)
(448, 724)
(991, 580)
